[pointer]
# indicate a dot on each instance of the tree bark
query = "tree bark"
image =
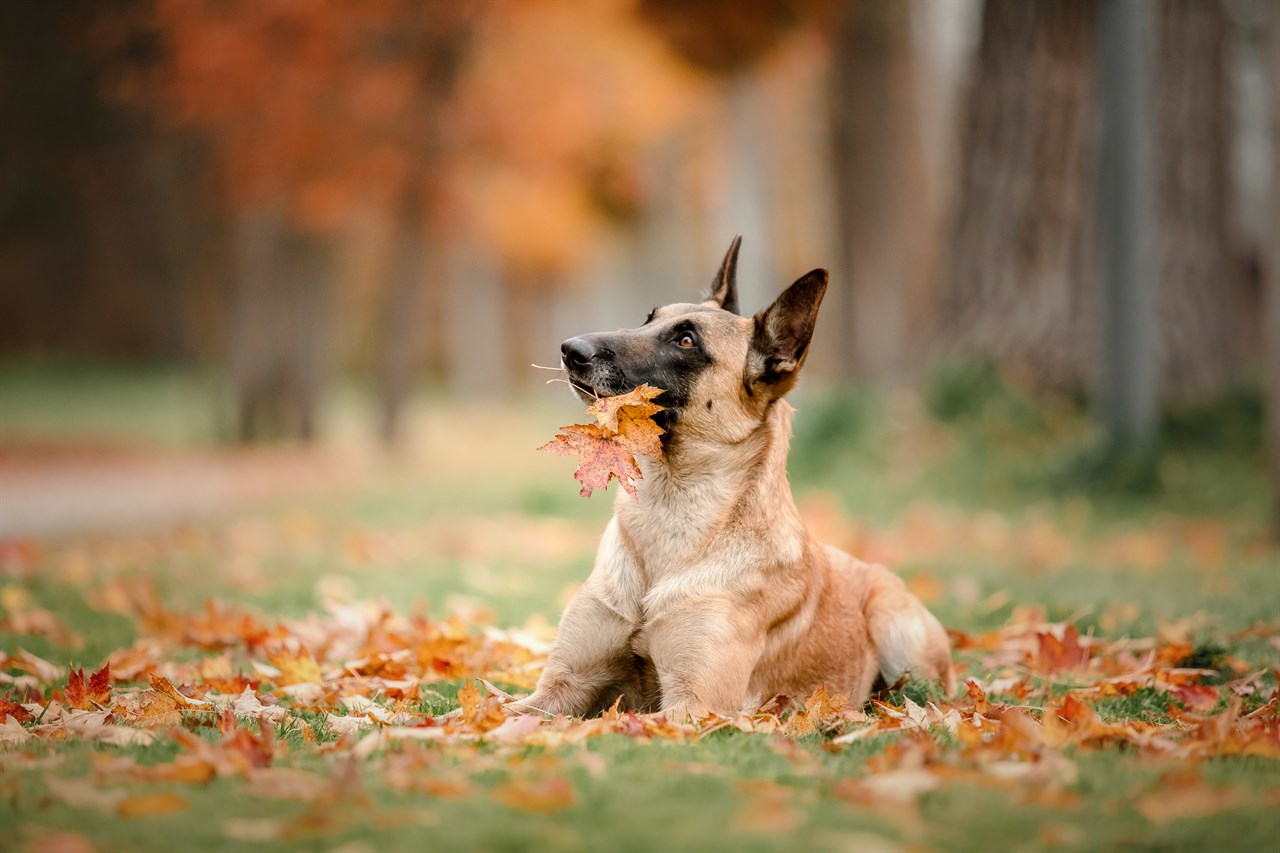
(1020, 285)
(883, 196)
(401, 314)
(278, 329)
(1271, 323)
(1127, 383)
(1200, 284)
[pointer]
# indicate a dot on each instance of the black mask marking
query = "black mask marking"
(651, 355)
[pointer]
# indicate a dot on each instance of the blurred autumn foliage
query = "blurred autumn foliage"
(287, 190)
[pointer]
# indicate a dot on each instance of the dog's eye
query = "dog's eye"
(685, 340)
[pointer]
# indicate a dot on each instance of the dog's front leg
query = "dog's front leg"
(704, 652)
(592, 653)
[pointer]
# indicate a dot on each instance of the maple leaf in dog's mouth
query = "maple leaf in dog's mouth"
(606, 449)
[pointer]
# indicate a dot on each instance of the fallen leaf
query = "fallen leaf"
(10, 708)
(82, 794)
(91, 696)
(606, 449)
(60, 841)
(253, 829)
(540, 796)
(150, 805)
(1187, 800)
(11, 731)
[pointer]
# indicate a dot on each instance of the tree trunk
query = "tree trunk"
(1021, 280)
(883, 198)
(401, 314)
(1127, 387)
(278, 329)
(1200, 285)
(1020, 284)
(1271, 323)
(745, 206)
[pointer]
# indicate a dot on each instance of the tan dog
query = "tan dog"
(708, 593)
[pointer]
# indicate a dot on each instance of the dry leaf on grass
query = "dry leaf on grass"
(535, 795)
(150, 805)
(90, 696)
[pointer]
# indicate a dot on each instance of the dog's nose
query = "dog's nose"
(577, 352)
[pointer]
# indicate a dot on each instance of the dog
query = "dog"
(707, 593)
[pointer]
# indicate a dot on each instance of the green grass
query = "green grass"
(994, 497)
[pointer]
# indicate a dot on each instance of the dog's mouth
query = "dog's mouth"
(592, 386)
(585, 391)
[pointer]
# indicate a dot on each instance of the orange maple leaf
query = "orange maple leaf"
(9, 708)
(538, 796)
(606, 449)
(96, 694)
(1065, 655)
(480, 711)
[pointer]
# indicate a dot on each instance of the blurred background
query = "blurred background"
(329, 223)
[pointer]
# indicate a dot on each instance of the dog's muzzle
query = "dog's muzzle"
(591, 366)
(578, 353)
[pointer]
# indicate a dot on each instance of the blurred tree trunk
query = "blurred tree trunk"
(1200, 285)
(401, 312)
(1127, 383)
(1271, 322)
(746, 204)
(1021, 283)
(1020, 286)
(883, 196)
(278, 330)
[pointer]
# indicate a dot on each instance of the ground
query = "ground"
(317, 658)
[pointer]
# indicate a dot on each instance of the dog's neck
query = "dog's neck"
(702, 491)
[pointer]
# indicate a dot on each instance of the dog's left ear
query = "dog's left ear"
(724, 290)
(782, 333)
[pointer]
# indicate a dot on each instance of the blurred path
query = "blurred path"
(53, 492)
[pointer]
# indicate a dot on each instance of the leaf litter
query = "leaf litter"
(247, 698)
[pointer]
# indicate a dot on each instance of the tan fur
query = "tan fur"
(708, 594)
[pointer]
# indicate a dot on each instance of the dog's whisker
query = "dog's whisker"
(574, 386)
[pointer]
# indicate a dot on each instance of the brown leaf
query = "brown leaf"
(148, 805)
(1055, 655)
(296, 668)
(91, 696)
(1197, 697)
(1185, 797)
(9, 708)
(540, 796)
(978, 698)
(60, 842)
(768, 808)
(607, 448)
(480, 712)
(611, 412)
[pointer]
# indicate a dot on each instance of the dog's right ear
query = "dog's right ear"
(724, 291)
(781, 337)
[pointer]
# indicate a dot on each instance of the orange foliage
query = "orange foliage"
(523, 122)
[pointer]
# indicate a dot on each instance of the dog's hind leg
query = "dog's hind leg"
(909, 640)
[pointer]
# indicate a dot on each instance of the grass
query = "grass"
(987, 498)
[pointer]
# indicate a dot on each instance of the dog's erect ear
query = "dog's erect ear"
(782, 333)
(724, 291)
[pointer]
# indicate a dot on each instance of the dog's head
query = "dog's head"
(720, 371)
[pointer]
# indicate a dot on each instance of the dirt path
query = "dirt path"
(44, 494)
